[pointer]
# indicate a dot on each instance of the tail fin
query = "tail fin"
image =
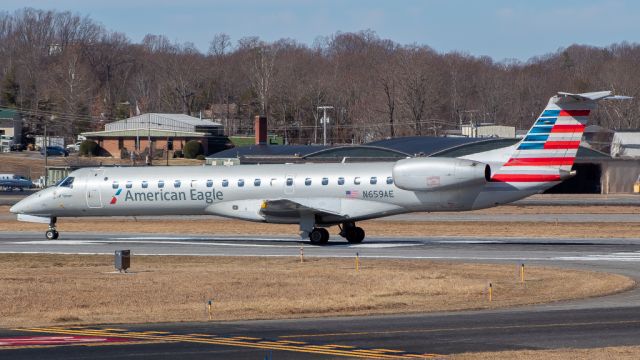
(548, 151)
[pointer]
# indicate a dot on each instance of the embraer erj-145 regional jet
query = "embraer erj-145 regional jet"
(317, 196)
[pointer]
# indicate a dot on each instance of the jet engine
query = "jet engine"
(429, 174)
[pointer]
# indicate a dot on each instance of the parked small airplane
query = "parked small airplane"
(13, 181)
(317, 196)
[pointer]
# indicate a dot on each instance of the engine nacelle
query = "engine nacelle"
(428, 174)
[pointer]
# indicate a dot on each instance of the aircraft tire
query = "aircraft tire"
(51, 234)
(319, 236)
(355, 235)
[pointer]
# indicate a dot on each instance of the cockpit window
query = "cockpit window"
(67, 182)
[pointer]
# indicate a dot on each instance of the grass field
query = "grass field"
(63, 289)
(607, 353)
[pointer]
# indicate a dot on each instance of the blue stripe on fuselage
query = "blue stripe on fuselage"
(550, 113)
(536, 138)
(546, 121)
(540, 130)
(531, 146)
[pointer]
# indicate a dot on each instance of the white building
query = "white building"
(170, 122)
(625, 144)
(488, 130)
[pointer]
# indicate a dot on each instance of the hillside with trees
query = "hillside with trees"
(75, 75)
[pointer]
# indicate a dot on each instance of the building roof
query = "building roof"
(6, 113)
(268, 150)
(426, 145)
(142, 133)
(384, 150)
(172, 122)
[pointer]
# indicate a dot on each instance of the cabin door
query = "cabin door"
(94, 198)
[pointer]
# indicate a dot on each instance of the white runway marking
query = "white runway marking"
(205, 242)
(382, 245)
(620, 256)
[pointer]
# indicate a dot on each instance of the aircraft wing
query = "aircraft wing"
(328, 209)
(285, 207)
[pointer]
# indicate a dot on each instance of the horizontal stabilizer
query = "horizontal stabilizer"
(591, 96)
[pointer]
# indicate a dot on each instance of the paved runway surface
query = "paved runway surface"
(608, 321)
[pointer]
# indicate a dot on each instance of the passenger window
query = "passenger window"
(225, 183)
(389, 180)
(240, 182)
(68, 182)
(176, 184)
(356, 180)
(373, 181)
(340, 181)
(115, 185)
(289, 181)
(307, 181)
(209, 183)
(160, 184)
(129, 184)
(325, 181)
(145, 184)
(256, 182)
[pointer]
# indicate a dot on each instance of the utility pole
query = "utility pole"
(149, 142)
(44, 144)
(324, 121)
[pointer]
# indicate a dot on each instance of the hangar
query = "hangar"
(596, 171)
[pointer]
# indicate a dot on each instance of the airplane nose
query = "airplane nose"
(29, 204)
(18, 208)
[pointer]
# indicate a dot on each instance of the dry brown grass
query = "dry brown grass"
(217, 226)
(61, 289)
(607, 353)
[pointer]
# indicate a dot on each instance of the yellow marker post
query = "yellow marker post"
(357, 262)
(490, 292)
(301, 254)
(522, 273)
(209, 308)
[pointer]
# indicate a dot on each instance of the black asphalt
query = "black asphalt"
(353, 337)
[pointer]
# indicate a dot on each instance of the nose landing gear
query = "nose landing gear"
(52, 233)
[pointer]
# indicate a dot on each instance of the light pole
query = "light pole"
(324, 121)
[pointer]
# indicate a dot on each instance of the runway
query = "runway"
(607, 321)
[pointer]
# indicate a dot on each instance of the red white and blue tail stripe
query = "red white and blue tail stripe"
(547, 152)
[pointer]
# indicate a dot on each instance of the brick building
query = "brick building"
(158, 132)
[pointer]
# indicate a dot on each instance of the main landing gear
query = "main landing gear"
(319, 236)
(52, 233)
(352, 233)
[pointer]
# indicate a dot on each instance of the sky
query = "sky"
(499, 29)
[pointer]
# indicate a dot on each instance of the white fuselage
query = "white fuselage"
(341, 191)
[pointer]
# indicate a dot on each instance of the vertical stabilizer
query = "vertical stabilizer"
(548, 151)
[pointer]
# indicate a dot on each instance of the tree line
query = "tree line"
(72, 73)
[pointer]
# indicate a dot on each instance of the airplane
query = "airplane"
(317, 196)
(13, 181)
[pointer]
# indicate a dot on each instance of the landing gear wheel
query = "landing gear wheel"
(51, 234)
(354, 235)
(319, 236)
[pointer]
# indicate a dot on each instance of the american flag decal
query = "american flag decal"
(352, 193)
